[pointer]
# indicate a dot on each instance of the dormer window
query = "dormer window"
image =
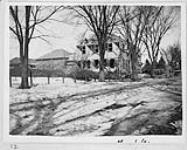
(94, 48)
(108, 47)
(83, 50)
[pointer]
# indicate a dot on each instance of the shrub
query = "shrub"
(83, 74)
(161, 64)
(159, 71)
(111, 75)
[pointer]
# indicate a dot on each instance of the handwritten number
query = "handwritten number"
(13, 146)
(142, 141)
(120, 141)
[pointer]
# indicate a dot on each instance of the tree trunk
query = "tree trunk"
(153, 68)
(48, 79)
(134, 61)
(31, 80)
(24, 74)
(10, 80)
(101, 76)
(101, 71)
(24, 55)
(75, 80)
(101, 46)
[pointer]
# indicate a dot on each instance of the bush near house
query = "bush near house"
(88, 75)
(159, 71)
(83, 74)
(112, 75)
(161, 64)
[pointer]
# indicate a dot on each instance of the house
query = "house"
(115, 58)
(54, 60)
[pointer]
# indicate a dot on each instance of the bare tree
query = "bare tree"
(133, 23)
(25, 21)
(101, 20)
(162, 20)
(173, 56)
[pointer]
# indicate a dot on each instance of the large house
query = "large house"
(60, 61)
(116, 55)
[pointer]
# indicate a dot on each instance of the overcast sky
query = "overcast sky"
(67, 36)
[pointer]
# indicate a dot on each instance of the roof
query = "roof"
(59, 53)
(16, 61)
(113, 37)
(93, 40)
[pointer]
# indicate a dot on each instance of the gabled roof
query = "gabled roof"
(59, 53)
(93, 40)
(112, 37)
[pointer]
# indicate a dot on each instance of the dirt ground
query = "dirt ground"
(151, 106)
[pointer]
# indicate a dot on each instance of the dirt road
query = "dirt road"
(141, 108)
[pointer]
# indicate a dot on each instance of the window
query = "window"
(96, 63)
(84, 64)
(110, 47)
(83, 50)
(96, 48)
(88, 64)
(112, 63)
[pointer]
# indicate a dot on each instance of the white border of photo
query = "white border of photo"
(153, 139)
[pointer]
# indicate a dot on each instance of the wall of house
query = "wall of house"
(90, 60)
(114, 60)
(51, 64)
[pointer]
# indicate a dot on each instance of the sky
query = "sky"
(67, 35)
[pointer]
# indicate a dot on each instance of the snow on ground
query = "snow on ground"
(55, 89)
(96, 108)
